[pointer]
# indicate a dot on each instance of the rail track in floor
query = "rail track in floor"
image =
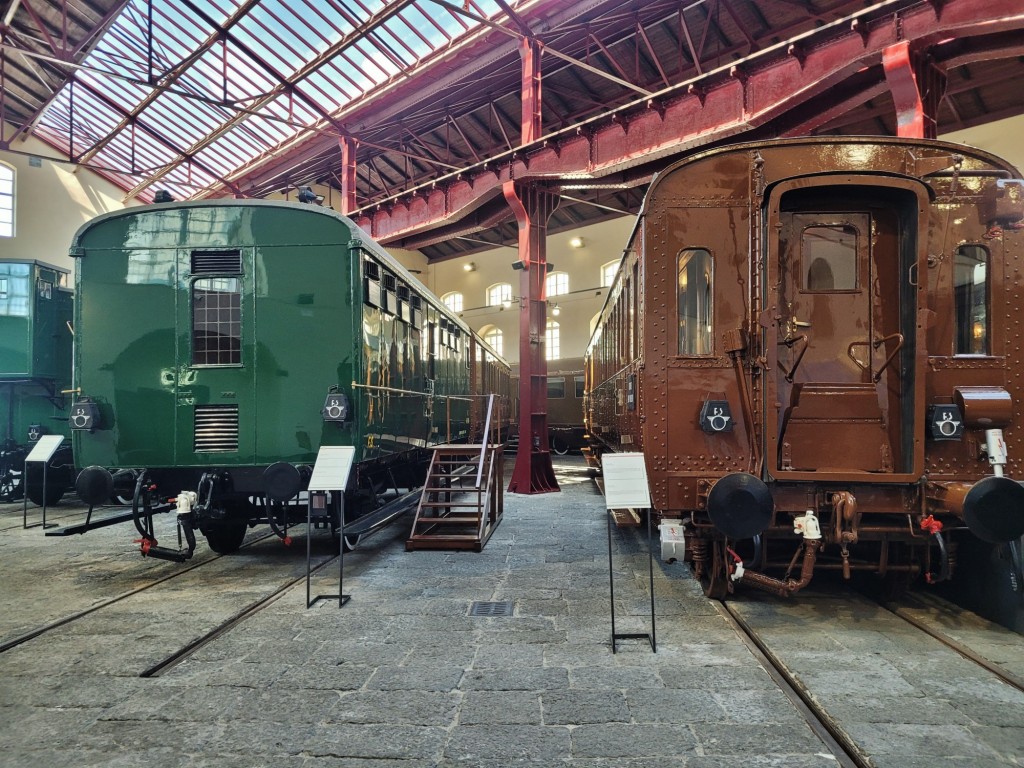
(928, 655)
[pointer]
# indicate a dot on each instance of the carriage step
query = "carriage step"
(450, 520)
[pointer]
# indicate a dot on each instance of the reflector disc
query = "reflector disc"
(740, 505)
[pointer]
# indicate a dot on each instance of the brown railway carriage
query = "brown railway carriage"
(816, 345)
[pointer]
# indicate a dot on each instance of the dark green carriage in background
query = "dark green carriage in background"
(220, 344)
(35, 366)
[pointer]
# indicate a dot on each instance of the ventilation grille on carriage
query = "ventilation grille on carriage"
(216, 428)
(216, 262)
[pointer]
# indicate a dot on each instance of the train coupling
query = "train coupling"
(183, 506)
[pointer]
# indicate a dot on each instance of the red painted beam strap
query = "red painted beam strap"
(916, 86)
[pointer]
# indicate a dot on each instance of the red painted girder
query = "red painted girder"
(914, 85)
(673, 121)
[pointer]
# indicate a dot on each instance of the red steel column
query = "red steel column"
(533, 472)
(530, 51)
(348, 173)
(917, 87)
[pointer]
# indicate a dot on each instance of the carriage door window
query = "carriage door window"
(694, 285)
(970, 286)
(216, 309)
(829, 258)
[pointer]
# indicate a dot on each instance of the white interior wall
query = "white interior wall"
(52, 200)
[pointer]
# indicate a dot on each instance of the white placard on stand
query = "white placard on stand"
(625, 481)
(41, 452)
(626, 487)
(332, 468)
(330, 473)
(45, 447)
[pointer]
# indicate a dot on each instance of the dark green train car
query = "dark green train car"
(35, 365)
(220, 344)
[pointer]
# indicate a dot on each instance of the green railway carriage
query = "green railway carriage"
(220, 344)
(35, 365)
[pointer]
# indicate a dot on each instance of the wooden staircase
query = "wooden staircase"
(461, 502)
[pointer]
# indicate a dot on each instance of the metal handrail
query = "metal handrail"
(463, 398)
(486, 439)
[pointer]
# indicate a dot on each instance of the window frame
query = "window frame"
(496, 339)
(236, 361)
(552, 341)
(683, 259)
(497, 294)
(5, 169)
(959, 308)
(554, 278)
(451, 295)
(608, 271)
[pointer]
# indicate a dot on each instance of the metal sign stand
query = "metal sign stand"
(626, 487)
(42, 451)
(330, 474)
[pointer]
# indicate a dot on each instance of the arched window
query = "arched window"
(557, 283)
(6, 201)
(608, 272)
(551, 341)
(453, 300)
(496, 339)
(498, 294)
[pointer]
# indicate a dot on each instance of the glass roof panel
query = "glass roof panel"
(228, 81)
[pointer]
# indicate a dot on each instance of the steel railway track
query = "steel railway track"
(65, 620)
(808, 702)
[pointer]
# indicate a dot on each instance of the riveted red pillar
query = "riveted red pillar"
(348, 173)
(530, 51)
(917, 87)
(533, 207)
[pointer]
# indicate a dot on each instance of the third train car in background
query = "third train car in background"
(816, 345)
(220, 344)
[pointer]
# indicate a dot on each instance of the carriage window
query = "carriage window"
(829, 258)
(970, 278)
(694, 285)
(556, 387)
(217, 321)
(580, 385)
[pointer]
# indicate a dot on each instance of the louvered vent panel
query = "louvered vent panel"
(216, 262)
(216, 428)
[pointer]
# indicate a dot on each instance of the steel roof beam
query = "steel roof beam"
(284, 83)
(731, 105)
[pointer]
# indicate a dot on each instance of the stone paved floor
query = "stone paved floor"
(402, 676)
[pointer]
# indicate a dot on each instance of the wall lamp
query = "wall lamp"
(556, 310)
(469, 266)
(577, 242)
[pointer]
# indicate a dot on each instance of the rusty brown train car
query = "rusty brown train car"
(816, 344)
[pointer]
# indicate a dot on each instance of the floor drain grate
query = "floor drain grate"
(491, 608)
